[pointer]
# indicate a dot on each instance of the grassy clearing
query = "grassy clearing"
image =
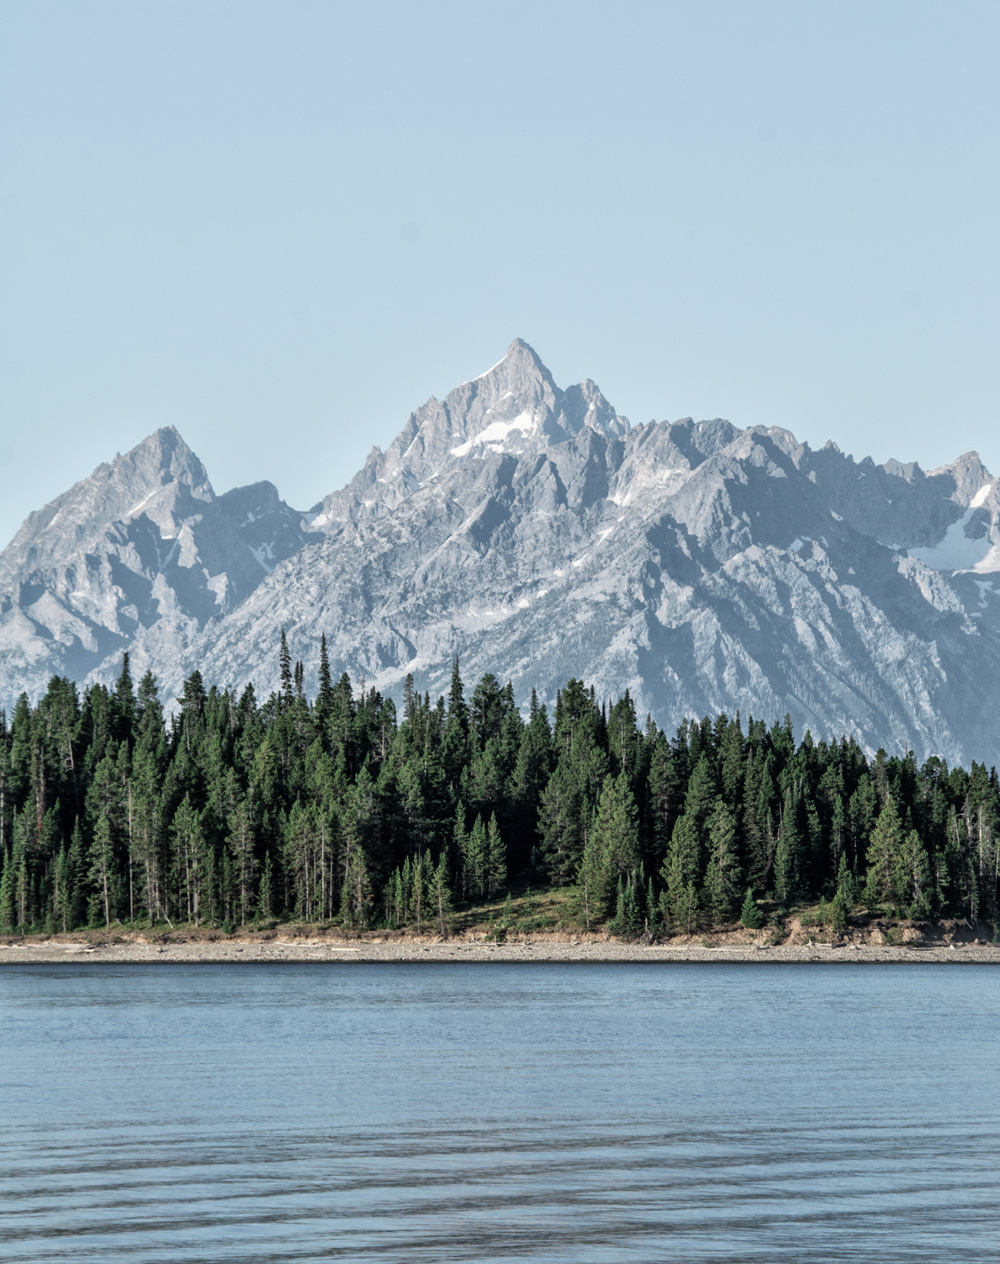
(524, 911)
(539, 911)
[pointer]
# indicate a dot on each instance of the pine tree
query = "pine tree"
(459, 848)
(847, 889)
(839, 912)
(476, 867)
(912, 876)
(418, 891)
(189, 851)
(653, 920)
(8, 914)
(265, 892)
(594, 880)
(242, 842)
(76, 878)
(496, 858)
(440, 897)
(406, 892)
(883, 857)
(285, 671)
(356, 892)
(682, 871)
(702, 791)
(627, 921)
(612, 851)
(722, 875)
(124, 703)
(324, 698)
(562, 817)
(102, 872)
(686, 910)
(750, 913)
(789, 856)
(193, 696)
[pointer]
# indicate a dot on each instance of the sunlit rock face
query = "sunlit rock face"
(140, 556)
(535, 533)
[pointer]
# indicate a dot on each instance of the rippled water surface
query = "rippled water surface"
(697, 1113)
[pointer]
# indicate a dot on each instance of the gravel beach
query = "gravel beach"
(31, 950)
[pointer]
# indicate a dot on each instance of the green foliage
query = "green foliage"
(239, 810)
(627, 922)
(612, 850)
(883, 858)
(682, 873)
(839, 913)
(723, 874)
(750, 914)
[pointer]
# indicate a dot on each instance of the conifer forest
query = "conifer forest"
(339, 810)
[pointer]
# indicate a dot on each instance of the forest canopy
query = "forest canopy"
(336, 809)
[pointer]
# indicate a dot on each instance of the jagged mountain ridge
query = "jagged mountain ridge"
(538, 535)
(702, 566)
(140, 556)
(513, 407)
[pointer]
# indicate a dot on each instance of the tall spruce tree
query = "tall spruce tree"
(723, 874)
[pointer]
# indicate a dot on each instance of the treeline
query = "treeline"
(335, 808)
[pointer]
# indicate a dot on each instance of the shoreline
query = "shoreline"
(30, 950)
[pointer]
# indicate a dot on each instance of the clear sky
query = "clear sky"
(282, 226)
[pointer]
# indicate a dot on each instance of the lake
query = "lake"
(543, 1113)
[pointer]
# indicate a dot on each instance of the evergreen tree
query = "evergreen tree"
(682, 872)
(883, 857)
(477, 861)
(242, 843)
(612, 852)
(285, 671)
(722, 874)
(265, 892)
(125, 705)
(102, 872)
(627, 921)
(496, 858)
(594, 880)
(232, 810)
(653, 921)
(8, 911)
(356, 893)
(686, 909)
(562, 826)
(440, 897)
(789, 858)
(847, 891)
(912, 876)
(750, 913)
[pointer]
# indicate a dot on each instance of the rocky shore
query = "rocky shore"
(189, 949)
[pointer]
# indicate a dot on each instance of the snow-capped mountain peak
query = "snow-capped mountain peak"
(513, 407)
(531, 531)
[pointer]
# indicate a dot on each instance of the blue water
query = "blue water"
(571, 1113)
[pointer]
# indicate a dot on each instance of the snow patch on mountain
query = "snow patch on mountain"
(496, 433)
(963, 547)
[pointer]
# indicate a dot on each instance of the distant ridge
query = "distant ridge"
(537, 534)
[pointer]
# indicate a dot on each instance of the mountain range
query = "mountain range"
(538, 535)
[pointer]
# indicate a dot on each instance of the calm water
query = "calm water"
(520, 1113)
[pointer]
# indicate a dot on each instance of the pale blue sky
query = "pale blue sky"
(281, 226)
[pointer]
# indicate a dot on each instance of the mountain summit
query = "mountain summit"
(139, 556)
(537, 535)
(514, 407)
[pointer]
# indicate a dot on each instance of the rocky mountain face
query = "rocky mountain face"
(514, 408)
(140, 556)
(536, 534)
